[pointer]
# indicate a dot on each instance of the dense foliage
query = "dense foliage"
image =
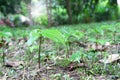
(84, 10)
(9, 6)
(66, 11)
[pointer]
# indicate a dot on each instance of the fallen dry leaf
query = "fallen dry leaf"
(107, 44)
(4, 77)
(74, 66)
(100, 77)
(111, 58)
(49, 68)
(13, 63)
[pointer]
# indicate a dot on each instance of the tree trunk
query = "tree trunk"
(29, 13)
(69, 12)
(28, 2)
(114, 4)
(49, 12)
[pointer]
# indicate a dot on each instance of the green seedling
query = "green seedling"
(66, 33)
(35, 35)
(57, 76)
(79, 56)
(113, 30)
(71, 35)
(4, 35)
(92, 57)
(98, 32)
(52, 34)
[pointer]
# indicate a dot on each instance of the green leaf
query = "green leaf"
(34, 35)
(66, 32)
(54, 35)
(75, 57)
(97, 30)
(77, 34)
(33, 47)
(5, 34)
(92, 40)
(101, 31)
(101, 41)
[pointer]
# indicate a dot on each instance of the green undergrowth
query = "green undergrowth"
(19, 32)
(24, 31)
(65, 46)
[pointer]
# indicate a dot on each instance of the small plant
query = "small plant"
(75, 57)
(71, 36)
(63, 62)
(79, 56)
(42, 20)
(52, 34)
(112, 31)
(36, 35)
(98, 31)
(56, 76)
(4, 37)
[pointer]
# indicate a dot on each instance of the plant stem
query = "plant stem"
(2, 42)
(85, 39)
(114, 39)
(114, 34)
(3, 57)
(67, 50)
(40, 40)
(97, 38)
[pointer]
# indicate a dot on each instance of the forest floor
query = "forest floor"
(21, 60)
